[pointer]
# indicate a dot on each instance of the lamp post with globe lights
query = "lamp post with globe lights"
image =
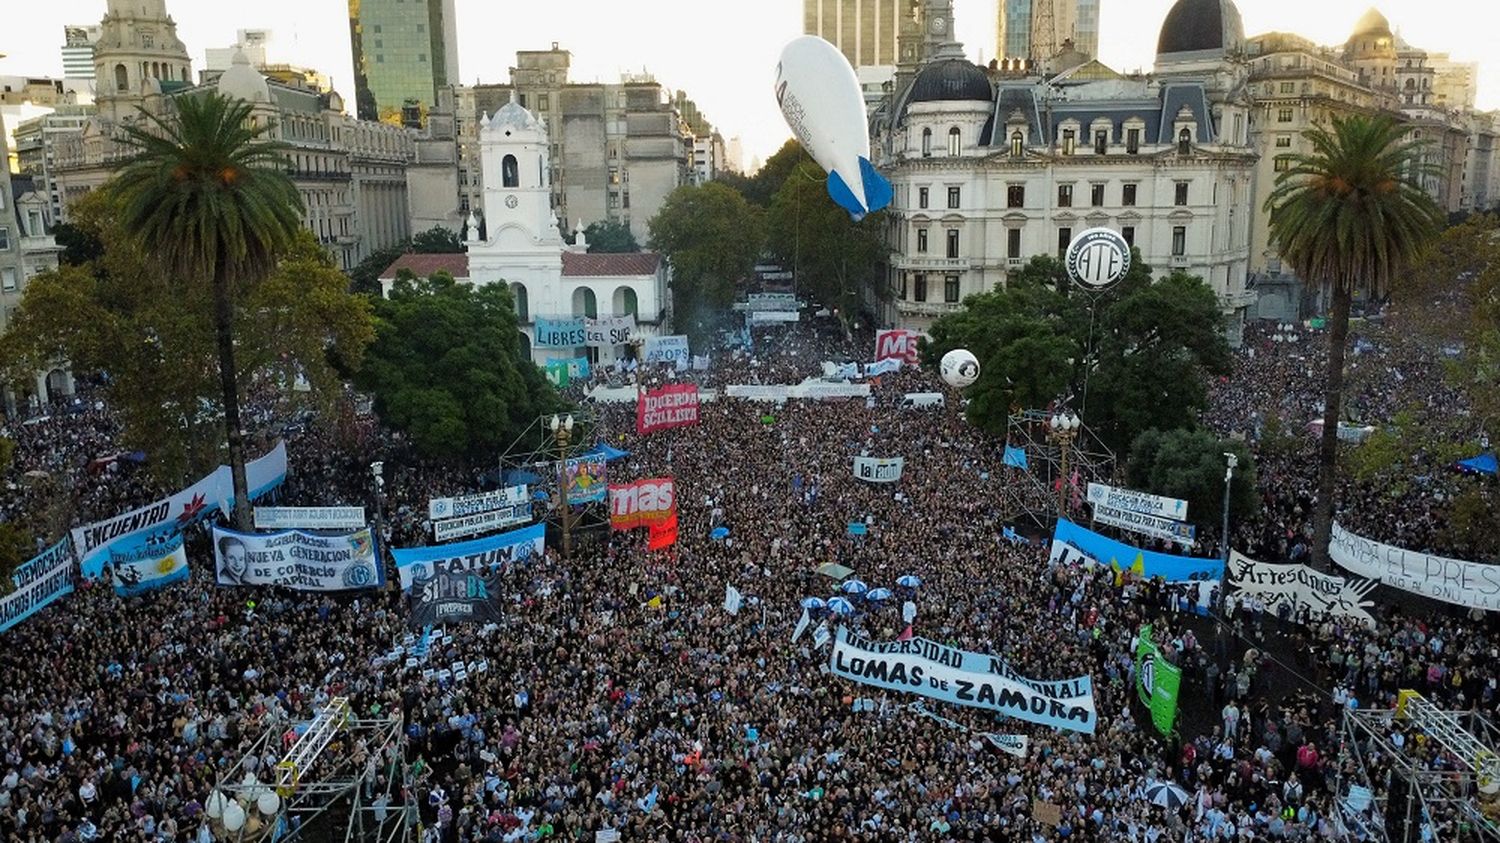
(562, 429)
(1062, 429)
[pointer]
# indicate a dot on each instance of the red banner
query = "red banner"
(899, 343)
(674, 405)
(644, 503)
(663, 535)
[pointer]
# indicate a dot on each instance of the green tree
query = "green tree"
(1349, 216)
(211, 203)
(761, 187)
(365, 276)
(447, 369)
(79, 247)
(437, 241)
(712, 238)
(609, 236)
(1189, 464)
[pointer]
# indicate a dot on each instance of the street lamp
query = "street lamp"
(1062, 429)
(1231, 461)
(377, 474)
(562, 428)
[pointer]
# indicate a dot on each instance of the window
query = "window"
(1288, 87)
(1283, 115)
(377, 29)
(1096, 194)
(1101, 142)
(4, 237)
(953, 197)
(147, 40)
(1179, 241)
(380, 58)
(1070, 139)
(1127, 196)
(953, 142)
(1064, 237)
(542, 102)
(1017, 144)
(950, 289)
(922, 197)
(1133, 141)
(921, 241)
(1015, 196)
(7, 280)
(1013, 243)
(903, 286)
(926, 143)
(1184, 141)
(422, 58)
(919, 287)
(1065, 196)
(1283, 163)
(1284, 142)
(1128, 232)
(379, 43)
(510, 175)
(953, 243)
(1181, 196)
(421, 27)
(121, 82)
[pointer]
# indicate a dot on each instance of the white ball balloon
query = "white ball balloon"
(234, 817)
(214, 806)
(268, 802)
(959, 368)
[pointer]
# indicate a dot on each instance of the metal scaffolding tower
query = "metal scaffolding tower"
(1031, 493)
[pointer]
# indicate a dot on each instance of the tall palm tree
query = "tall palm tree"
(209, 198)
(1349, 216)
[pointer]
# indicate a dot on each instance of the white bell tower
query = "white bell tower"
(514, 156)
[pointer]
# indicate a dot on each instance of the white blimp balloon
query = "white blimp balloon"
(821, 101)
(959, 368)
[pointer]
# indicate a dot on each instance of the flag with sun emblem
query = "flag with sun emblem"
(148, 561)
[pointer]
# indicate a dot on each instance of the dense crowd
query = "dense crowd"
(621, 695)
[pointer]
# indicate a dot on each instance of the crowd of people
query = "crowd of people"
(621, 695)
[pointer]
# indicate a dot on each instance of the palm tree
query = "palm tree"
(209, 199)
(1349, 216)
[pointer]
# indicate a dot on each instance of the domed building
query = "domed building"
(993, 168)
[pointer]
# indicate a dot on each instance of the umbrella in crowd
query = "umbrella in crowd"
(719, 533)
(1167, 795)
(854, 587)
(909, 581)
(878, 594)
(813, 603)
(840, 606)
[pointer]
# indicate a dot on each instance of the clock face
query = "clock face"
(511, 201)
(939, 26)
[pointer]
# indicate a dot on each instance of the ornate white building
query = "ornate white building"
(988, 173)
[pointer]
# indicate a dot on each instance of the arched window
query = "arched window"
(1184, 141)
(584, 303)
(953, 142)
(926, 143)
(510, 174)
(525, 345)
(1017, 143)
(122, 81)
(184, 74)
(523, 305)
(625, 302)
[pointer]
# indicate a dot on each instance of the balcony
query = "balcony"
(1181, 261)
(922, 262)
(927, 308)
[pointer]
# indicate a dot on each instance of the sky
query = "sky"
(722, 53)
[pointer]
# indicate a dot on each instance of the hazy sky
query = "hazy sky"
(721, 52)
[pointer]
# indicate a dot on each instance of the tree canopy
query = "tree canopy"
(712, 237)
(436, 241)
(1189, 464)
(760, 188)
(448, 370)
(610, 236)
(1142, 359)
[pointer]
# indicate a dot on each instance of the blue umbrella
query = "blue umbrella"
(909, 581)
(840, 606)
(878, 594)
(719, 533)
(813, 603)
(854, 587)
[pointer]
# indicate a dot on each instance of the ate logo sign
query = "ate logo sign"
(900, 344)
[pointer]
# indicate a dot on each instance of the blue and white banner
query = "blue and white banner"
(668, 349)
(198, 501)
(297, 560)
(414, 564)
(881, 367)
(148, 561)
(937, 671)
(466, 505)
(1144, 563)
(38, 582)
(310, 517)
(560, 333)
(610, 331)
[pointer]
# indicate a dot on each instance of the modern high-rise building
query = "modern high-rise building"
(404, 51)
(864, 30)
(1023, 30)
(78, 51)
(251, 42)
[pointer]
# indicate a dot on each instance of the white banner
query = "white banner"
(297, 560)
(310, 517)
(773, 317)
(783, 302)
(1066, 554)
(879, 469)
(733, 600)
(615, 330)
(672, 348)
(1141, 502)
(474, 504)
(1472, 584)
(482, 522)
(1299, 585)
(1010, 744)
(1147, 525)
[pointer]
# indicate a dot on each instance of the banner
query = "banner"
(198, 501)
(481, 522)
(609, 332)
(1144, 563)
(146, 562)
(1147, 525)
(557, 373)
(416, 564)
(1066, 554)
(925, 667)
(310, 517)
(642, 503)
(733, 600)
(1015, 457)
(560, 333)
(879, 469)
(662, 535)
(456, 596)
(37, 583)
(1140, 502)
(585, 479)
(1156, 682)
(673, 405)
(783, 302)
(474, 504)
(773, 317)
(881, 367)
(898, 343)
(297, 560)
(667, 349)
(1472, 584)
(840, 371)
(1299, 585)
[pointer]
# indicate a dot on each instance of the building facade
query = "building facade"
(1036, 30)
(26, 248)
(864, 30)
(404, 51)
(78, 51)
